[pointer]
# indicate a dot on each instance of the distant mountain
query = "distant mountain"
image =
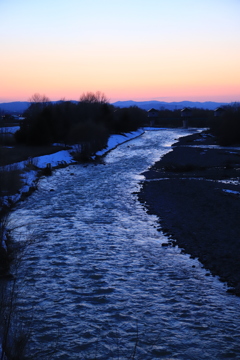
(147, 105)
(14, 107)
(20, 106)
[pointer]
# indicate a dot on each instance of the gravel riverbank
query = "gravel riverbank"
(195, 192)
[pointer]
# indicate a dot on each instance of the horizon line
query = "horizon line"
(137, 101)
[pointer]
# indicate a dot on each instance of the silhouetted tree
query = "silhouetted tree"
(128, 119)
(91, 97)
(228, 129)
(88, 122)
(37, 104)
(90, 137)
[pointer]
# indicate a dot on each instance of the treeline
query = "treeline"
(200, 118)
(88, 122)
(223, 124)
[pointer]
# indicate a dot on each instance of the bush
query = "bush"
(128, 119)
(227, 128)
(90, 138)
(87, 122)
(10, 180)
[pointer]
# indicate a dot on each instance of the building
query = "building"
(153, 114)
(186, 114)
(218, 112)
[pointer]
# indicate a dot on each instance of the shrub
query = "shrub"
(90, 138)
(10, 180)
(88, 122)
(227, 128)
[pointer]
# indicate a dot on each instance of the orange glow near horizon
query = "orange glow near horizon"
(121, 80)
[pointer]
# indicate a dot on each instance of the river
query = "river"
(96, 282)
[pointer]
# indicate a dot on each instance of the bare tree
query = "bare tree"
(91, 97)
(39, 99)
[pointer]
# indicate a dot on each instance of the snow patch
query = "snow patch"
(9, 129)
(115, 140)
(55, 159)
(233, 192)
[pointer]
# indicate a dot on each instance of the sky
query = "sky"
(170, 50)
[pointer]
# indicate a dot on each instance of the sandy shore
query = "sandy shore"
(195, 192)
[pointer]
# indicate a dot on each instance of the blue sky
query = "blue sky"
(175, 49)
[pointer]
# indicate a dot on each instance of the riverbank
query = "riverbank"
(195, 192)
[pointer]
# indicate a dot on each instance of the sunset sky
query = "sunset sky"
(168, 50)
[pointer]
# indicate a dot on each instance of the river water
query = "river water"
(96, 283)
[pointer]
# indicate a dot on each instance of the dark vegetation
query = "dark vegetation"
(199, 118)
(225, 125)
(88, 123)
(226, 128)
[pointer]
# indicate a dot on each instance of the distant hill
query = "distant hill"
(147, 105)
(14, 107)
(17, 106)
(20, 106)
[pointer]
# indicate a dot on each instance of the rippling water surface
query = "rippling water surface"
(97, 283)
